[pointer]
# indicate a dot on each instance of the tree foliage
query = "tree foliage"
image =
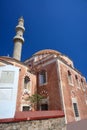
(35, 98)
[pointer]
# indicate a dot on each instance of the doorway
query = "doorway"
(44, 107)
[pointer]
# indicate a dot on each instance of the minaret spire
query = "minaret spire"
(18, 39)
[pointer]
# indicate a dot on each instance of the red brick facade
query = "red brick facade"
(51, 88)
(59, 92)
(74, 90)
(53, 76)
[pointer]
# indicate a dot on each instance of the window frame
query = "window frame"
(26, 105)
(76, 112)
(41, 78)
(27, 84)
(75, 101)
(83, 85)
(44, 107)
(70, 78)
(77, 82)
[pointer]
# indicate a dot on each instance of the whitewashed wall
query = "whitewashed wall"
(9, 76)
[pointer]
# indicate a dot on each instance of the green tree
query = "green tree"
(35, 100)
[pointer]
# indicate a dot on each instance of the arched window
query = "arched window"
(26, 79)
(76, 77)
(83, 84)
(26, 84)
(70, 77)
(77, 81)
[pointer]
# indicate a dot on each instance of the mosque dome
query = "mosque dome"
(54, 52)
(47, 51)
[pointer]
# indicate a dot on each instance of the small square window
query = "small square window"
(25, 108)
(44, 107)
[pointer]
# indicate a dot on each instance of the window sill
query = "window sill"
(77, 118)
(43, 84)
(71, 84)
(78, 88)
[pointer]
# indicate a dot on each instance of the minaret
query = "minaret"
(18, 39)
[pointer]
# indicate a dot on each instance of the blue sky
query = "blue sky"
(50, 24)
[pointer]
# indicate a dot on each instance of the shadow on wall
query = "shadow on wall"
(80, 125)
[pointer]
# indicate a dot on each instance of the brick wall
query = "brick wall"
(51, 87)
(71, 91)
(22, 73)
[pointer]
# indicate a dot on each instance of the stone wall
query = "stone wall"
(47, 124)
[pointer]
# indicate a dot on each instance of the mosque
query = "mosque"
(48, 73)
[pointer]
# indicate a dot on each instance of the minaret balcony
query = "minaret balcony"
(20, 27)
(18, 38)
